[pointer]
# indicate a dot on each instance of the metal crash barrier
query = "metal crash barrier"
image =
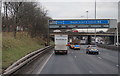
(18, 64)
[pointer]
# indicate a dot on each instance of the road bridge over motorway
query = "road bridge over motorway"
(83, 24)
(83, 34)
(88, 35)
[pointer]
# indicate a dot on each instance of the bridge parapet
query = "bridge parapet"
(84, 33)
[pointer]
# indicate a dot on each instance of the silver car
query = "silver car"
(92, 49)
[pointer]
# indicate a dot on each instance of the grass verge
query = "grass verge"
(14, 49)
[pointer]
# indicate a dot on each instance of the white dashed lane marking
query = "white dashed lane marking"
(90, 72)
(75, 56)
(117, 65)
(99, 57)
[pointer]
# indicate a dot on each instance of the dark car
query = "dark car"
(92, 49)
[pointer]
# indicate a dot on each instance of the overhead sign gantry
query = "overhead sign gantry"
(63, 24)
(81, 23)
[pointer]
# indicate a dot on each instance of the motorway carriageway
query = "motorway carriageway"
(75, 62)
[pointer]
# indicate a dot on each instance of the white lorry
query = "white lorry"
(61, 42)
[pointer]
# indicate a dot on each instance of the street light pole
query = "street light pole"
(117, 37)
(95, 9)
(87, 18)
(87, 14)
(95, 18)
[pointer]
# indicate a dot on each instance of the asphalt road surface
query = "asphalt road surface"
(76, 62)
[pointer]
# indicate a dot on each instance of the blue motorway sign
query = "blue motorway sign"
(79, 22)
(92, 23)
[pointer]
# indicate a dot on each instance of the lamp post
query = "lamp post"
(117, 37)
(87, 18)
(95, 18)
(95, 9)
(87, 14)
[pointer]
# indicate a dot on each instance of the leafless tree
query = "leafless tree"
(28, 15)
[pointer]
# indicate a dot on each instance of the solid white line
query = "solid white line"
(44, 64)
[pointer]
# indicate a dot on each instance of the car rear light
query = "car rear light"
(67, 45)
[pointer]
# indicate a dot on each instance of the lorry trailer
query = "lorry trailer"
(61, 42)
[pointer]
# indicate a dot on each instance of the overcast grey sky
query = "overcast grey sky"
(62, 9)
(71, 9)
(77, 8)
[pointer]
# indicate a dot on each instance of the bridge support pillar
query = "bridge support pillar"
(111, 39)
(80, 37)
(89, 40)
